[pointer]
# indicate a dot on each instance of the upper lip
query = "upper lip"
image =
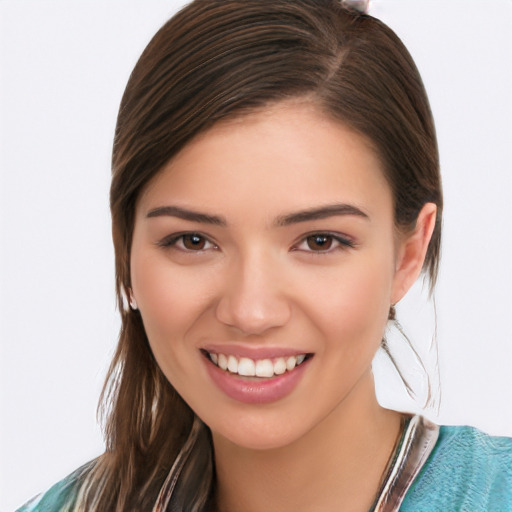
(254, 353)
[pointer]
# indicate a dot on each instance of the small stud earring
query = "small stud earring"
(133, 303)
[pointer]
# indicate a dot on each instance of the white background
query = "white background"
(63, 68)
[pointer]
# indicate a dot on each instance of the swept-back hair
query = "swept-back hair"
(216, 60)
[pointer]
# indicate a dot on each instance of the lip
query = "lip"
(253, 391)
(253, 352)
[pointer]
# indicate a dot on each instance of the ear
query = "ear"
(411, 252)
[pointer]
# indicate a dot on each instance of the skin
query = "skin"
(255, 282)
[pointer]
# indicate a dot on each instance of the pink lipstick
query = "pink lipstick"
(255, 376)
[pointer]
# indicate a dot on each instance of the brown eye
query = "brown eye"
(324, 243)
(187, 242)
(319, 242)
(194, 242)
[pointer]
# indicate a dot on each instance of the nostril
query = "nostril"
(253, 315)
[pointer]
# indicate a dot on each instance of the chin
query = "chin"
(257, 433)
(256, 441)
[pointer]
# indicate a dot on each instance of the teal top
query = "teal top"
(467, 471)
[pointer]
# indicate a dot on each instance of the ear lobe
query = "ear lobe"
(412, 251)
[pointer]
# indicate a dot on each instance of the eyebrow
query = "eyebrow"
(183, 213)
(322, 212)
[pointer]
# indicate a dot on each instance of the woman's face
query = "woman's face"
(267, 239)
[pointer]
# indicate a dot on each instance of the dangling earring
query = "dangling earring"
(398, 367)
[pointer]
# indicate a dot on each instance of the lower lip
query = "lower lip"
(256, 391)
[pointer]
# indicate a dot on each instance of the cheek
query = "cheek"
(170, 300)
(355, 310)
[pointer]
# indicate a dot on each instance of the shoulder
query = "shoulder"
(467, 470)
(62, 496)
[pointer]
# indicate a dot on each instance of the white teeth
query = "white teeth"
(223, 362)
(300, 359)
(290, 363)
(232, 364)
(246, 367)
(264, 368)
(279, 366)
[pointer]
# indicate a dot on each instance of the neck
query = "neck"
(338, 465)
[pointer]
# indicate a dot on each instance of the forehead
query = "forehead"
(284, 157)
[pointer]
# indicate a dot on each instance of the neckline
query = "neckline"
(415, 444)
(417, 441)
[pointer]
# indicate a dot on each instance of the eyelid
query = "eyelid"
(170, 241)
(344, 242)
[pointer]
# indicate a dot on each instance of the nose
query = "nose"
(254, 297)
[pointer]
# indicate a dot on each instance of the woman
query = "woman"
(275, 193)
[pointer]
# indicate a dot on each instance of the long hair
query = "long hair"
(222, 59)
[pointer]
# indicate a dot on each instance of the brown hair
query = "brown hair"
(220, 59)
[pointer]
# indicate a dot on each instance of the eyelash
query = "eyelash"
(342, 242)
(173, 240)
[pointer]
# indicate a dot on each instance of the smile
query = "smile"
(260, 379)
(263, 368)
